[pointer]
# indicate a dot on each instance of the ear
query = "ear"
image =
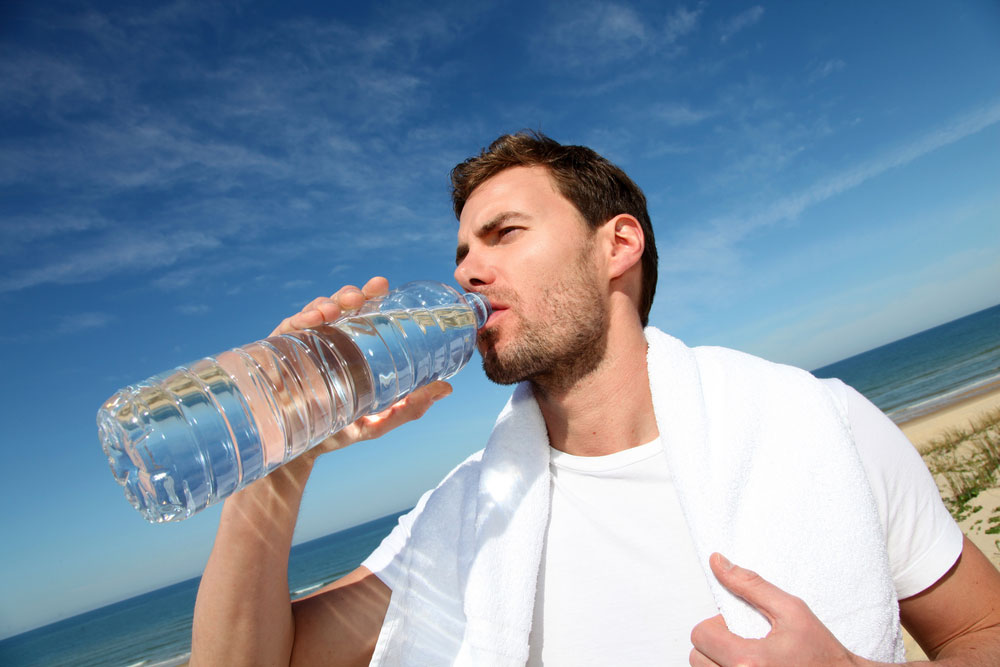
(626, 244)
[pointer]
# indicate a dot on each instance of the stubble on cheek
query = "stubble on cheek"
(493, 366)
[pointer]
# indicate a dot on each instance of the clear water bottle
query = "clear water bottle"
(187, 438)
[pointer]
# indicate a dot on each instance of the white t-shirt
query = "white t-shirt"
(619, 581)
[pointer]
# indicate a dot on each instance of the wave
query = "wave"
(928, 405)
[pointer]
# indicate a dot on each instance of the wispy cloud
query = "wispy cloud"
(740, 22)
(679, 115)
(193, 309)
(958, 129)
(680, 23)
(19, 231)
(714, 244)
(65, 325)
(592, 35)
(825, 69)
(612, 31)
(71, 324)
(303, 121)
(129, 252)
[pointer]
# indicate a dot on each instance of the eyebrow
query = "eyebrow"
(485, 230)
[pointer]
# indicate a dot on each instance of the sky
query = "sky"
(177, 177)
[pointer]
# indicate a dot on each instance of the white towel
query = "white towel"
(766, 473)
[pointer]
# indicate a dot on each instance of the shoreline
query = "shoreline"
(930, 405)
(955, 414)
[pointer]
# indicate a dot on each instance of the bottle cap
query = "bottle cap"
(480, 307)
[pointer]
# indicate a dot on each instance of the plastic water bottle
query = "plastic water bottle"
(187, 438)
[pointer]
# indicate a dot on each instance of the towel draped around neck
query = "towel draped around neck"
(766, 472)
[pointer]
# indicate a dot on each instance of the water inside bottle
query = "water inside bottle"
(184, 439)
(166, 467)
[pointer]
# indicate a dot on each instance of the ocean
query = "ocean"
(905, 379)
(923, 372)
(154, 629)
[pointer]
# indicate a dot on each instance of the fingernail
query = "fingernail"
(724, 562)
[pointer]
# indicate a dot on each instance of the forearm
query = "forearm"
(957, 620)
(243, 611)
(977, 649)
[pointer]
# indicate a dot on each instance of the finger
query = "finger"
(376, 286)
(348, 297)
(351, 298)
(767, 598)
(315, 303)
(412, 407)
(329, 309)
(698, 659)
(374, 426)
(713, 640)
(296, 322)
(307, 318)
(301, 320)
(319, 310)
(326, 306)
(325, 309)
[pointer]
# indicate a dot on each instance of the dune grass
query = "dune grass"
(966, 462)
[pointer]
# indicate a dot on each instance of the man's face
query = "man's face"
(529, 251)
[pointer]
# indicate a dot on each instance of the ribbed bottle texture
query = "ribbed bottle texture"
(185, 439)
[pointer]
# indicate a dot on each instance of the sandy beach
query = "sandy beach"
(923, 432)
(923, 429)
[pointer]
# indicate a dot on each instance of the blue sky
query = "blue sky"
(175, 178)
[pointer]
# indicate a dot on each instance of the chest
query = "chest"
(619, 581)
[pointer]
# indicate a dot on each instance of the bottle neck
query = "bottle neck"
(480, 307)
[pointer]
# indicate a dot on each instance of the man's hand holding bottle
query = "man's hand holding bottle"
(326, 309)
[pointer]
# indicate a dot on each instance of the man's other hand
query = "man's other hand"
(797, 637)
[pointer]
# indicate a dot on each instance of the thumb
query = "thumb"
(764, 596)
(412, 407)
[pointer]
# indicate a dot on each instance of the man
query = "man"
(521, 553)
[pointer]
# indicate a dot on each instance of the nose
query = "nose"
(474, 270)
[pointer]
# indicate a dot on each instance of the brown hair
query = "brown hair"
(598, 189)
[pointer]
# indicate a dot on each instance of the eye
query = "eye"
(508, 233)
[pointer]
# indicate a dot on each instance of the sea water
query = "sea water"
(154, 629)
(923, 372)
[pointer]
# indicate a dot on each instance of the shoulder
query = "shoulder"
(441, 504)
(732, 361)
(922, 539)
(752, 385)
(725, 373)
(457, 485)
(465, 473)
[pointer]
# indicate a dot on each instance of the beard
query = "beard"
(563, 344)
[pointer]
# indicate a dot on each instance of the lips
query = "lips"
(495, 315)
(495, 311)
(497, 307)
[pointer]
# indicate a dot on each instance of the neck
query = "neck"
(608, 410)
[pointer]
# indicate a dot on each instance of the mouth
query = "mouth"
(498, 310)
